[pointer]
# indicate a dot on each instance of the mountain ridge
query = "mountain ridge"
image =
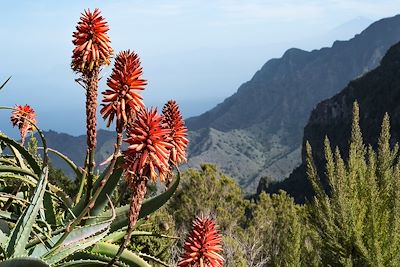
(377, 92)
(267, 113)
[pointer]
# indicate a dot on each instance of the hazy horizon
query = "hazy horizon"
(196, 52)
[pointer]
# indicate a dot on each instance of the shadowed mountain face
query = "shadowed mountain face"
(376, 92)
(258, 131)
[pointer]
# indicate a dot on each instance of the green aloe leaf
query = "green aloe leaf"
(22, 230)
(49, 210)
(8, 216)
(78, 235)
(13, 175)
(3, 239)
(18, 157)
(1, 87)
(18, 170)
(154, 259)
(108, 189)
(68, 249)
(86, 255)
(118, 235)
(127, 256)
(77, 240)
(54, 191)
(59, 194)
(24, 262)
(68, 161)
(27, 156)
(149, 206)
(82, 263)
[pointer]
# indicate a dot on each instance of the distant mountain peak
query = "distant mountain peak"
(294, 52)
(267, 114)
(377, 92)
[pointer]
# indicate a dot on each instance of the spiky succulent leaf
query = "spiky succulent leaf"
(108, 189)
(10, 174)
(25, 153)
(86, 255)
(49, 210)
(24, 262)
(8, 216)
(53, 191)
(77, 236)
(17, 170)
(22, 230)
(2, 147)
(83, 263)
(18, 157)
(102, 199)
(3, 239)
(68, 249)
(118, 235)
(67, 160)
(127, 256)
(154, 259)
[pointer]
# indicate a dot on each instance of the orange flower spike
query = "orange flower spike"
(175, 122)
(203, 245)
(121, 100)
(148, 146)
(23, 117)
(92, 44)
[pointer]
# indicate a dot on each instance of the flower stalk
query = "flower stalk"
(92, 50)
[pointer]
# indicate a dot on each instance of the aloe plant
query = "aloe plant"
(90, 243)
(40, 225)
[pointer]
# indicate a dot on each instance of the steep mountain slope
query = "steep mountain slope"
(376, 92)
(258, 131)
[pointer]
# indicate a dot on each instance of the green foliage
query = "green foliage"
(272, 231)
(277, 234)
(160, 223)
(208, 191)
(358, 221)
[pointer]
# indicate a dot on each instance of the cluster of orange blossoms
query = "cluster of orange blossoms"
(154, 140)
(203, 245)
(24, 117)
(174, 120)
(149, 146)
(92, 44)
(121, 100)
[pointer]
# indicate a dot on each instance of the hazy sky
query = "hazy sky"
(197, 52)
